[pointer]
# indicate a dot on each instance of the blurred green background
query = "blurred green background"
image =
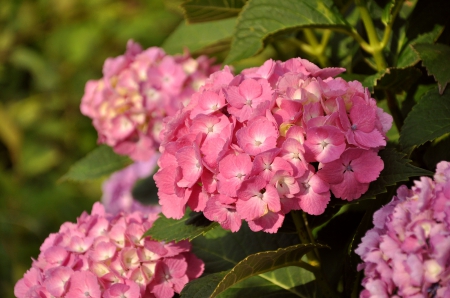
(48, 50)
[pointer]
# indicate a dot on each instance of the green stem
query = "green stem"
(375, 45)
(394, 109)
(318, 48)
(304, 237)
(388, 29)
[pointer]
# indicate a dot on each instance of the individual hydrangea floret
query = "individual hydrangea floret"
(117, 190)
(104, 255)
(137, 91)
(276, 138)
(407, 253)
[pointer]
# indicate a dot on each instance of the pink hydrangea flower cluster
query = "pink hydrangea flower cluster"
(137, 91)
(117, 190)
(407, 253)
(273, 139)
(104, 256)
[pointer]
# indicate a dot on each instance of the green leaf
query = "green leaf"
(206, 35)
(407, 56)
(100, 162)
(204, 286)
(288, 282)
(394, 79)
(261, 18)
(396, 168)
(215, 248)
(436, 59)
(145, 191)
(197, 11)
(428, 120)
(167, 229)
(264, 262)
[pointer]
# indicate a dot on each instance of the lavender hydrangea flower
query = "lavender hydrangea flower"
(407, 253)
(117, 190)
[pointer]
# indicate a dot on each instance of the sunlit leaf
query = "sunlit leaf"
(168, 229)
(197, 11)
(261, 18)
(206, 35)
(100, 162)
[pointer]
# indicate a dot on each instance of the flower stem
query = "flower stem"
(374, 42)
(304, 235)
(318, 49)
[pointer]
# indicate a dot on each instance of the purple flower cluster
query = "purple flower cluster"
(117, 190)
(104, 255)
(407, 253)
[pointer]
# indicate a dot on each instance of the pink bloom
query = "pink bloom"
(259, 133)
(137, 91)
(350, 175)
(118, 263)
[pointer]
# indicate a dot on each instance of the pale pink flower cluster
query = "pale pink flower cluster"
(137, 91)
(407, 253)
(273, 139)
(117, 189)
(104, 256)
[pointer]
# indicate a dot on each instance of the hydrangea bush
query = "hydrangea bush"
(104, 255)
(269, 175)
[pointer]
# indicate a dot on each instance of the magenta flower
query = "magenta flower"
(137, 91)
(280, 137)
(113, 262)
(407, 253)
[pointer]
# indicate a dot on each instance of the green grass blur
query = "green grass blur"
(48, 50)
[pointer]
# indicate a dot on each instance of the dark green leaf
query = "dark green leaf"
(407, 56)
(264, 262)
(204, 286)
(394, 79)
(222, 250)
(197, 11)
(438, 151)
(396, 168)
(428, 120)
(262, 18)
(145, 191)
(436, 59)
(167, 229)
(206, 35)
(100, 162)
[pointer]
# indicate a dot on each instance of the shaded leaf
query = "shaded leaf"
(437, 152)
(263, 262)
(221, 249)
(407, 56)
(168, 229)
(434, 57)
(100, 162)
(389, 9)
(204, 286)
(394, 79)
(197, 11)
(206, 35)
(428, 120)
(262, 18)
(145, 191)
(396, 168)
